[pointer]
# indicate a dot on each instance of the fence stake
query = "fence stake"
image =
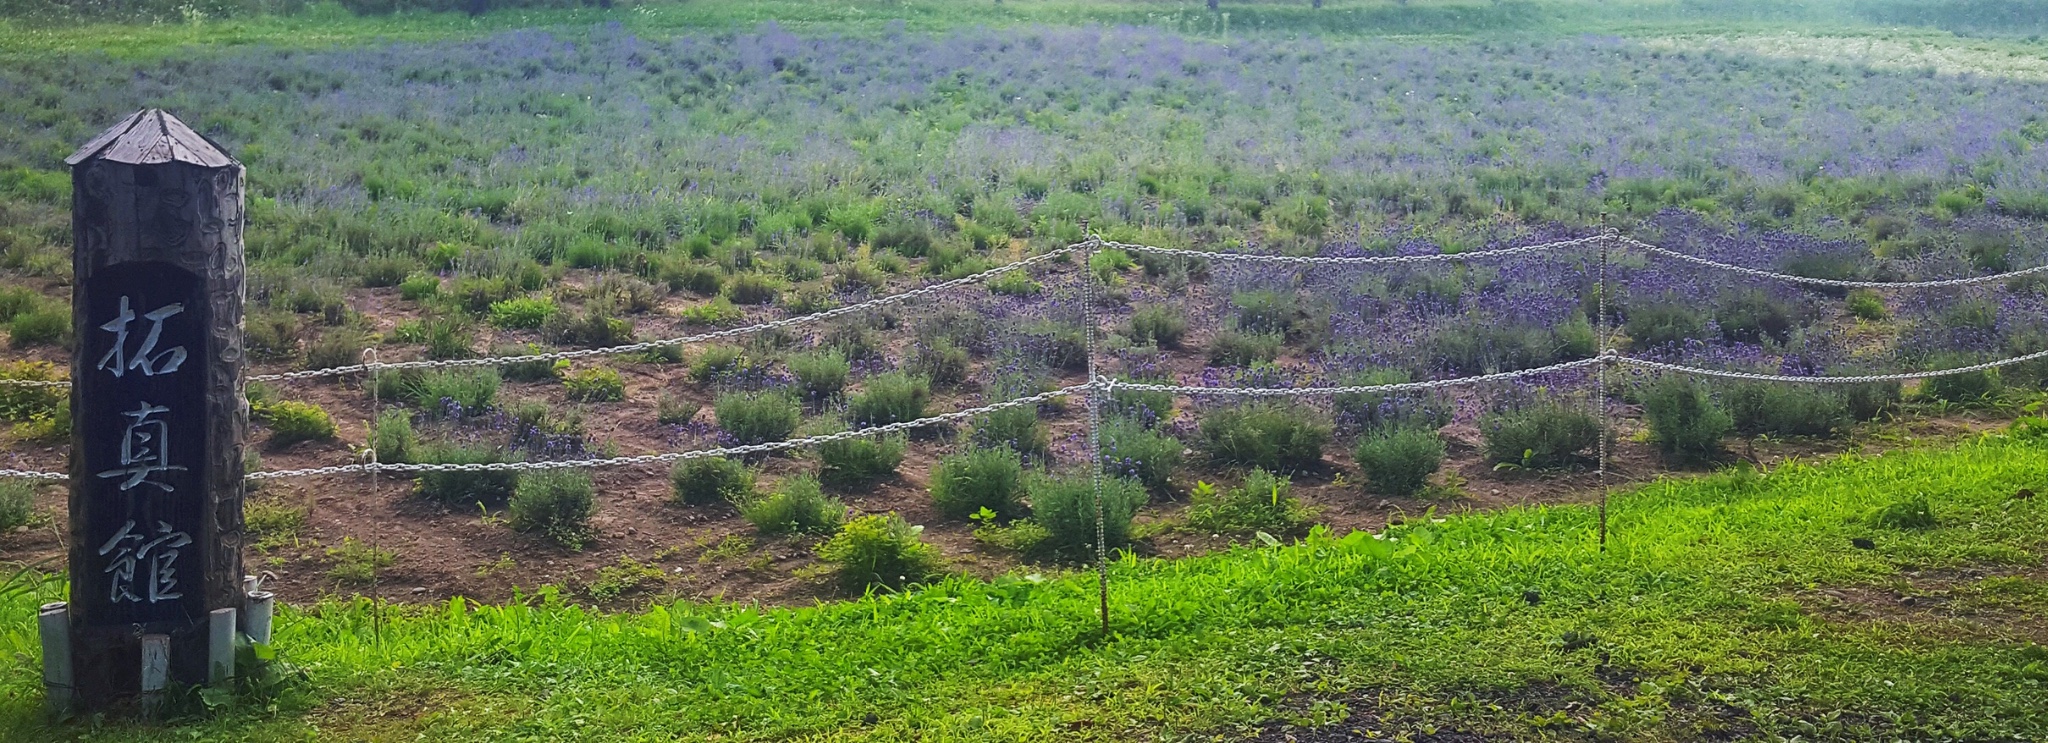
(1600, 382)
(53, 622)
(1095, 395)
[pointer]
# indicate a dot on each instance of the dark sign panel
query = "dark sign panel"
(142, 406)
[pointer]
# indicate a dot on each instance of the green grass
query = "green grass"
(1691, 608)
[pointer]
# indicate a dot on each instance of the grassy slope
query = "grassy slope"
(330, 26)
(1691, 609)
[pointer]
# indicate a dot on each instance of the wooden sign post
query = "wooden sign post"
(158, 417)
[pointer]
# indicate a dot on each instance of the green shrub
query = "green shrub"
(1273, 436)
(448, 338)
(965, 483)
(22, 402)
(718, 311)
(1159, 324)
(879, 550)
(292, 422)
(670, 410)
(685, 276)
(940, 361)
(820, 375)
(462, 489)
(1065, 507)
(718, 362)
(854, 342)
(798, 507)
(711, 479)
(1015, 428)
(1379, 411)
(523, 312)
(1399, 461)
(1868, 400)
(595, 384)
(757, 418)
(1753, 316)
(1143, 407)
(809, 300)
(393, 439)
(889, 398)
(858, 461)
(1972, 388)
(1264, 502)
(538, 370)
(15, 300)
(555, 503)
(1685, 424)
(595, 328)
(911, 240)
(355, 562)
(1015, 284)
(859, 276)
(1542, 434)
(1785, 409)
(1145, 455)
(456, 393)
(419, 287)
(1908, 513)
(1057, 345)
(1231, 347)
(336, 349)
(1867, 305)
(1265, 311)
(752, 288)
(1663, 323)
(17, 503)
(267, 336)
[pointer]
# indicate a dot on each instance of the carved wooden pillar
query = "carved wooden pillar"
(158, 416)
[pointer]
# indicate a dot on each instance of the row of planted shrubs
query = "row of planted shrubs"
(1688, 418)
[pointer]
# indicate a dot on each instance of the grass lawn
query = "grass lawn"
(1733, 605)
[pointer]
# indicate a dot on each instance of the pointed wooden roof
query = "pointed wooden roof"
(149, 137)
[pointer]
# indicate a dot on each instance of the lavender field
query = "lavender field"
(431, 183)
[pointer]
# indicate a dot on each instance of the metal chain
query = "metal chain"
(28, 475)
(1662, 366)
(688, 339)
(1322, 260)
(673, 456)
(1354, 389)
(1762, 274)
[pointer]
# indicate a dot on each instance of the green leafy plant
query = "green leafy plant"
(1065, 507)
(358, 563)
(1146, 455)
(1545, 433)
(711, 479)
(879, 550)
(1785, 409)
(1159, 324)
(594, 384)
(799, 506)
(1015, 428)
(991, 478)
(393, 439)
(1264, 503)
(889, 398)
(1912, 513)
(1231, 347)
(1273, 436)
(757, 418)
(292, 422)
(464, 488)
(820, 375)
(1399, 461)
(17, 503)
(853, 462)
(523, 312)
(456, 393)
(555, 503)
(1685, 423)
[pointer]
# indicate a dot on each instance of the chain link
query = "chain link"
(673, 456)
(1762, 274)
(1662, 366)
(688, 339)
(1324, 260)
(1349, 390)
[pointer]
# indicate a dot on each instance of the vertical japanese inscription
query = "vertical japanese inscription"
(143, 408)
